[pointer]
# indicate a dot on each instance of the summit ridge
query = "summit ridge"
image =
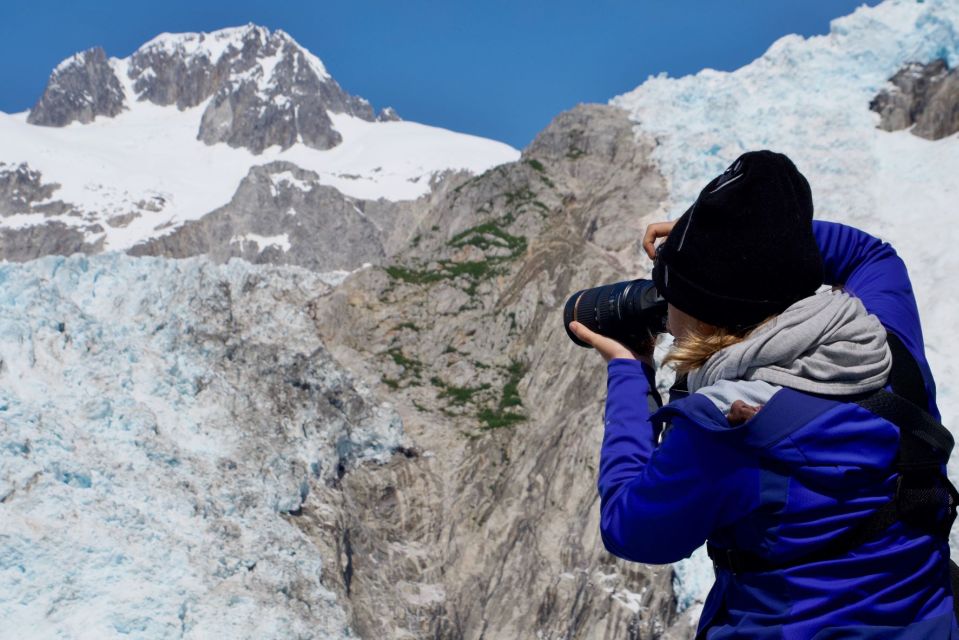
(261, 88)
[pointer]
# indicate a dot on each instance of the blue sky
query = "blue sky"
(498, 68)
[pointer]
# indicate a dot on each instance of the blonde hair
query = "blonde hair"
(702, 343)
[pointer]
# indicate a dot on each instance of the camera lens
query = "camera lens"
(631, 312)
(570, 314)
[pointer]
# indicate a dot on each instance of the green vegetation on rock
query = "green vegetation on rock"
(483, 236)
(501, 415)
(462, 395)
(489, 234)
(411, 369)
(536, 164)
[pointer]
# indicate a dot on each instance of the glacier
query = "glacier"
(157, 438)
(809, 98)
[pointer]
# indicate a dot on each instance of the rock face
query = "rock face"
(22, 190)
(281, 214)
(267, 91)
(80, 89)
(263, 88)
(53, 238)
(23, 193)
(488, 528)
(924, 97)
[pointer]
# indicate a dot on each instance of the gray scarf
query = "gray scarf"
(827, 343)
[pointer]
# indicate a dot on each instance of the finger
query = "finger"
(583, 333)
(607, 347)
(649, 240)
(593, 339)
(654, 232)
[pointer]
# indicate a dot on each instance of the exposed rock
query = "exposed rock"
(52, 238)
(266, 90)
(388, 114)
(924, 97)
(80, 89)
(589, 137)
(491, 529)
(23, 191)
(263, 88)
(282, 214)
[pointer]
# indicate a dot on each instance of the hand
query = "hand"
(741, 412)
(609, 348)
(653, 233)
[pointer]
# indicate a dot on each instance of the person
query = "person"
(768, 448)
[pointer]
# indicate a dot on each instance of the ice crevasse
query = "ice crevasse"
(155, 430)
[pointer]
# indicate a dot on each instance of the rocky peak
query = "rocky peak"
(81, 88)
(261, 88)
(270, 91)
(922, 96)
(281, 214)
(388, 114)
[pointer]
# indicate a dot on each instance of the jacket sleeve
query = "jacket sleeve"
(870, 269)
(658, 504)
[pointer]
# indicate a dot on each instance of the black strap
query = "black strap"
(680, 388)
(923, 441)
(954, 579)
(906, 378)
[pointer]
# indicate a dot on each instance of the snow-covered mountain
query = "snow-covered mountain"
(118, 151)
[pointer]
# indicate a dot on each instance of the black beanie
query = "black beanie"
(745, 249)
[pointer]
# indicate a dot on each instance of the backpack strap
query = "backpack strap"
(905, 378)
(954, 579)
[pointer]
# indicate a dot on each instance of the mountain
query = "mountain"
(119, 152)
(408, 449)
(259, 88)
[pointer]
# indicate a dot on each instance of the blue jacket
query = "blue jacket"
(780, 490)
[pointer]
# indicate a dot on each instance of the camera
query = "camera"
(632, 312)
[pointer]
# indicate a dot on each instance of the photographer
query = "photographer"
(793, 442)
